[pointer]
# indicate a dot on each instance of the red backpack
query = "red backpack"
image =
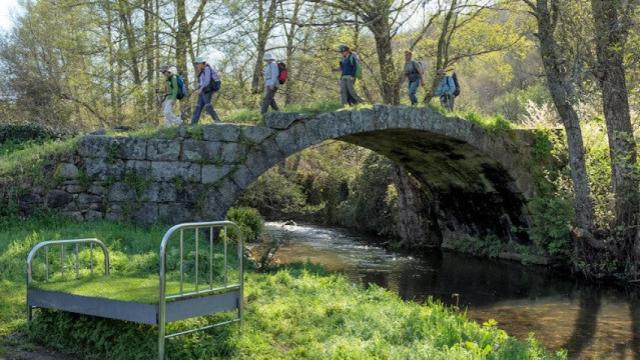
(283, 73)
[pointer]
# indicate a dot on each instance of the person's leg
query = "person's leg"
(443, 101)
(344, 92)
(273, 104)
(208, 98)
(352, 91)
(264, 107)
(452, 101)
(196, 112)
(167, 109)
(413, 89)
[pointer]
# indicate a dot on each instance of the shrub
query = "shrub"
(249, 220)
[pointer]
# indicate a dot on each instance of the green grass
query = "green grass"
(295, 313)
(28, 158)
(114, 287)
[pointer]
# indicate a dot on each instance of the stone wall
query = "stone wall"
(188, 174)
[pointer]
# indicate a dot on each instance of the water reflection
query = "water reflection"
(591, 322)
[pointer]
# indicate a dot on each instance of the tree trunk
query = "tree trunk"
(389, 86)
(181, 49)
(443, 49)
(265, 25)
(611, 30)
(148, 55)
(562, 94)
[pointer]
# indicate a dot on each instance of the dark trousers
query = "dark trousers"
(269, 100)
(204, 101)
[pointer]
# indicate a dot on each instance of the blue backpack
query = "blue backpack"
(182, 89)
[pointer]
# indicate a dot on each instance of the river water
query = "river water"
(590, 322)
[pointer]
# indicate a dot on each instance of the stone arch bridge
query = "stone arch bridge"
(480, 180)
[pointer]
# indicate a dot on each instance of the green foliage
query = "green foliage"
(494, 124)
(195, 132)
(275, 196)
(488, 246)
(138, 181)
(19, 134)
(29, 159)
(551, 224)
(298, 315)
(249, 220)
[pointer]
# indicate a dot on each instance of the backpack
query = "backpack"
(354, 57)
(456, 92)
(283, 73)
(419, 67)
(215, 84)
(182, 89)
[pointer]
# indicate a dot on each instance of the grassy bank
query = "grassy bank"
(293, 313)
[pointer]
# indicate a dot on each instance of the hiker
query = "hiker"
(349, 67)
(271, 74)
(413, 72)
(446, 90)
(208, 83)
(170, 95)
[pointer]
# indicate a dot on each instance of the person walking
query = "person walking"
(446, 90)
(270, 73)
(207, 79)
(170, 95)
(349, 68)
(413, 72)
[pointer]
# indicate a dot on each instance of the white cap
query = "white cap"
(173, 69)
(268, 57)
(200, 60)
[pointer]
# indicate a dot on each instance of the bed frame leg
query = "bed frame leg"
(29, 312)
(161, 340)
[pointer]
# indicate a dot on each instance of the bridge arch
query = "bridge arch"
(479, 179)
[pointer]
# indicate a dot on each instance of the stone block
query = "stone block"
(121, 192)
(97, 190)
(166, 171)
(213, 173)
(94, 146)
(102, 169)
(233, 153)
(286, 143)
(193, 150)
(133, 148)
(68, 171)
(85, 198)
(146, 213)
(257, 134)
(93, 215)
(58, 198)
(138, 166)
(74, 189)
(163, 150)
(221, 132)
(242, 177)
(159, 192)
(281, 120)
(175, 212)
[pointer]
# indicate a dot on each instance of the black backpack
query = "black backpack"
(457, 84)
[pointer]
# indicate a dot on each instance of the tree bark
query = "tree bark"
(389, 86)
(611, 30)
(563, 97)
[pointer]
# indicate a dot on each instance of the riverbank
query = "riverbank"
(296, 312)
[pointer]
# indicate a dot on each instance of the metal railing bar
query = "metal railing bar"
(197, 233)
(224, 239)
(201, 328)
(46, 263)
(62, 260)
(91, 257)
(181, 265)
(210, 257)
(203, 292)
(77, 262)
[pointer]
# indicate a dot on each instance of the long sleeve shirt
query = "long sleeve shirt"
(172, 87)
(446, 86)
(204, 78)
(271, 74)
(348, 65)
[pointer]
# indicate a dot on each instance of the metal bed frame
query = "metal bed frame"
(207, 300)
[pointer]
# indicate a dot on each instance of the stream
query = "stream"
(591, 322)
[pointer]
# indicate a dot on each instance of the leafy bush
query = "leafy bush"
(249, 220)
(275, 196)
(24, 133)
